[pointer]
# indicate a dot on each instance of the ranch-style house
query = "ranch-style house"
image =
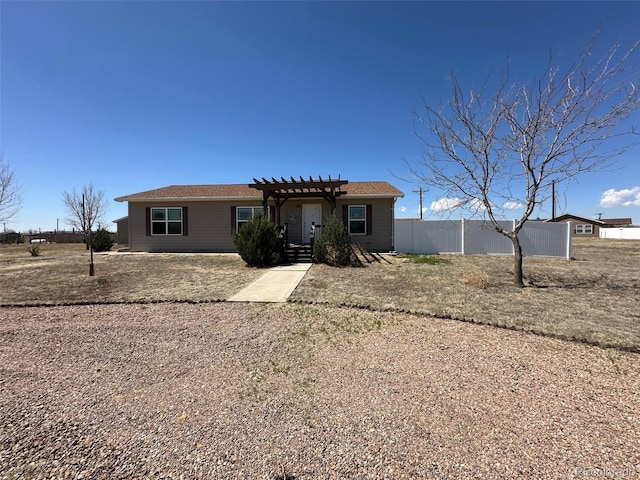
(203, 218)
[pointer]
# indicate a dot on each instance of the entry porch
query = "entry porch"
(307, 202)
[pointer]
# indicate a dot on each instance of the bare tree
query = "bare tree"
(489, 152)
(10, 193)
(86, 210)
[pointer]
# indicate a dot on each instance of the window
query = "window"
(243, 214)
(357, 219)
(584, 229)
(166, 221)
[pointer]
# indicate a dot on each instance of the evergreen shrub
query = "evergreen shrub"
(334, 245)
(258, 242)
(101, 240)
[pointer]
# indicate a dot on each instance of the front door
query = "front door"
(311, 214)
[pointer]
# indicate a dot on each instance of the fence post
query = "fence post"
(413, 237)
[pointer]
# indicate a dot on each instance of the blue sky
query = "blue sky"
(133, 96)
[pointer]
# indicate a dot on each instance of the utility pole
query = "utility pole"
(420, 191)
(553, 200)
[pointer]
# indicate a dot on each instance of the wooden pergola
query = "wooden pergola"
(283, 189)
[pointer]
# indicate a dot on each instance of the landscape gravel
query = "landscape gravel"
(294, 391)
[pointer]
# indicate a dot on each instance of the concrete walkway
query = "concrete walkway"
(275, 285)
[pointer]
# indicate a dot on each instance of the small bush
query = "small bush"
(258, 242)
(34, 250)
(11, 237)
(333, 247)
(101, 240)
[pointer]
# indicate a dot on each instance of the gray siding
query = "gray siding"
(209, 228)
(574, 222)
(382, 223)
(122, 235)
(210, 224)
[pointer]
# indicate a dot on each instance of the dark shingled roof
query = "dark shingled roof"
(242, 190)
(617, 221)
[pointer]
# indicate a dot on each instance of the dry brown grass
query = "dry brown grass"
(476, 279)
(594, 297)
(60, 275)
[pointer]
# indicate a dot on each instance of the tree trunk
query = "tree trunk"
(517, 262)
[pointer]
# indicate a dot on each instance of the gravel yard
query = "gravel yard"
(291, 391)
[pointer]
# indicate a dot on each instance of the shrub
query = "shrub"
(34, 250)
(333, 246)
(258, 242)
(10, 237)
(101, 240)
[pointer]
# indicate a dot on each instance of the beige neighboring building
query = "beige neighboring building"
(203, 218)
(122, 230)
(590, 227)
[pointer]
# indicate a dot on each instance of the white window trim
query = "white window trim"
(166, 221)
(239, 222)
(584, 229)
(364, 207)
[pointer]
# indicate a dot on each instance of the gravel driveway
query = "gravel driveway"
(290, 391)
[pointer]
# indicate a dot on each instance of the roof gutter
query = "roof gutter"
(183, 199)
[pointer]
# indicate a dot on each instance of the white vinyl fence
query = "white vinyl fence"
(628, 233)
(430, 237)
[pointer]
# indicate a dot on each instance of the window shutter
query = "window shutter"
(345, 216)
(148, 220)
(185, 221)
(369, 227)
(233, 220)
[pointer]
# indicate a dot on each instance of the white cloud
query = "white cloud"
(511, 205)
(403, 209)
(477, 205)
(446, 204)
(626, 197)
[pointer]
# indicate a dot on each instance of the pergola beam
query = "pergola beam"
(283, 189)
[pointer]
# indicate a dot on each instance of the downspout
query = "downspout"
(393, 224)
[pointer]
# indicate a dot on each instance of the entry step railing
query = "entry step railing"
(299, 253)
